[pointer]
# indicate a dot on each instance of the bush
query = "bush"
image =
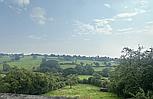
(134, 72)
(21, 81)
(96, 80)
(50, 66)
(142, 95)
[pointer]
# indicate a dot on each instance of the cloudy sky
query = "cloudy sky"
(86, 27)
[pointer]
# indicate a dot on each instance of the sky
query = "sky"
(85, 27)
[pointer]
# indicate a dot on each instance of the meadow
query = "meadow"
(29, 63)
(83, 91)
(81, 77)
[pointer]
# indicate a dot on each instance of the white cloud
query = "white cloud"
(149, 22)
(125, 29)
(140, 11)
(136, 8)
(131, 14)
(107, 29)
(37, 37)
(142, 3)
(83, 28)
(146, 30)
(125, 7)
(39, 15)
(103, 21)
(16, 5)
(107, 5)
(97, 26)
(103, 26)
(107, 26)
(128, 19)
(22, 3)
(126, 14)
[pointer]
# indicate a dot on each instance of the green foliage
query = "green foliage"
(84, 70)
(80, 70)
(22, 81)
(105, 72)
(50, 66)
(34, 56)
(15, 57)
(96, 80)
(134, 72)
(97, 64)
(69, 71)
(142, 95)
(6, 67)
(72, 80)
(4, 87)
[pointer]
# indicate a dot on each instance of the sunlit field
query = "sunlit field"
(83, 91)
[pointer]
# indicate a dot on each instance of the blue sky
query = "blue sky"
(86, 27)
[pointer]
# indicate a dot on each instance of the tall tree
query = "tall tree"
(134, 72)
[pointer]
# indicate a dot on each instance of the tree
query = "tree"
(15, 57)
(81, 63)
(50, 66)
(72, 80)
(22, 81)
(108, 64)
(6, 67)
(4, 87)
(134, 72)
(84, 70)
(105, 72)
(69, 71)
(34, 56)
(97, 64)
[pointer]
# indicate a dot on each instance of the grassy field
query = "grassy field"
(73, 66)
(4, 58)
(98, 68)
(83, 91)
(28, 63)
(67, 66)
(81, 77)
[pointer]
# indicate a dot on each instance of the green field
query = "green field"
(83, 91)
(90, 62)
(4, 58)
(81, 77)
(98, 68)
(67, 66)
(28, 63)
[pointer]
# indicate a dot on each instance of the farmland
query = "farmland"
(81, 77)
(28, 62)
(84, 91)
